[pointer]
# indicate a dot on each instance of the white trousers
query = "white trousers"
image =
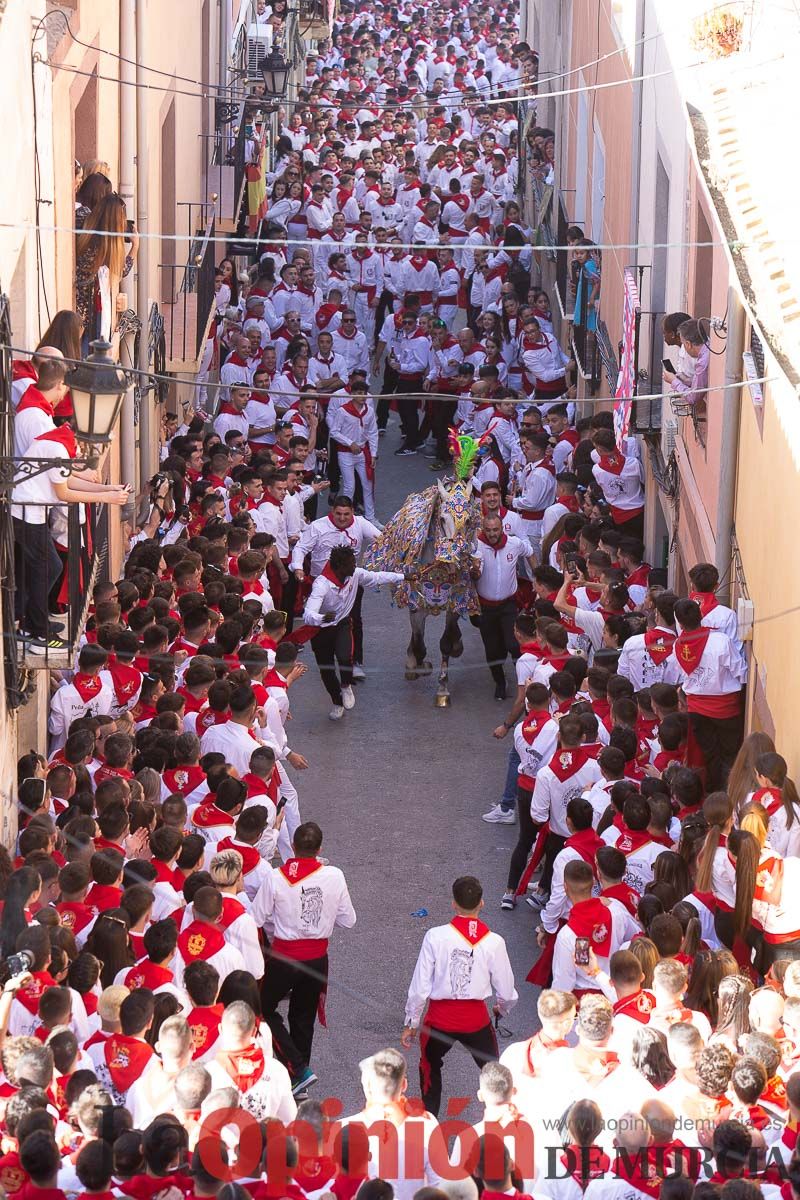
(291, 814)
(351, 465)
(365, 317)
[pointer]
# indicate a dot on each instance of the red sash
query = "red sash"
(126, 1059)
(200, 941)
(659, 643)
(592, 919)
(689, 649)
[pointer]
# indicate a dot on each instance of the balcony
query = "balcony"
(585, 344)
(81, 531)
(187, 294)
(226, 170)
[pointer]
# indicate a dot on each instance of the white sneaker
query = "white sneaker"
(336, 713)
(358, 672)
(348, 697)
(499, 816)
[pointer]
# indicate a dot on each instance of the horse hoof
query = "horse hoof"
(425, 667)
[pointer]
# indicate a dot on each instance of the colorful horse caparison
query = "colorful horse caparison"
(431, 538)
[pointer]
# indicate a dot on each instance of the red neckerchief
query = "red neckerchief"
(632, 1174)
(638, 1006)
(573, 437)
(30, 995)
(200, 940)
(569, 502)
(295, 870)
(245, 1067)
(534, 723)
(185, 779)
(165, 874)
(639, 576)
(586, 842)
(631, 840)
(101, 843)
(144, 712)
(689, 647)
(208, 816)
(612, 462)
(626, 895)
(317, 1173)
(774, 1093)
(567, 762)
(769, 880)
(470, 928)
(274, 679)
(87, 686)
(255, 786)
(329, 574)
(74, 916)
(102, 896)
(145, 1187)
(268, 498)
(770, 797)
(126, 1059)
(126, 679)
(592, 919)
(251, 855)
(33, 398)
(356, 412)
(23, 368)
(204, 1025)
(105, 772)
(498, 545)
(536, 1050)
(232, 909)
(706, 602)
(349, 524)
(64, 436)
(148, 975)
(659, 643)
(592, 1163)
(208, 717)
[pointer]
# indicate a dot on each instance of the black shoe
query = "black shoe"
(406, 450)
(500, 691)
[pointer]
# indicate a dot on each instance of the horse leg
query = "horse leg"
(450, 646)
(415, 654)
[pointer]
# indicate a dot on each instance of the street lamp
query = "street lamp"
(97, 386)
(275, 71)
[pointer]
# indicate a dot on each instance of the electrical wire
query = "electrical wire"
(526, 400)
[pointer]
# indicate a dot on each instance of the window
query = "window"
(581, 155)
(703, 269)
(598, 187)
(86, 122)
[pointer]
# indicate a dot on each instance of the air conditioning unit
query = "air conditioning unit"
(259, 44)
(745, 617)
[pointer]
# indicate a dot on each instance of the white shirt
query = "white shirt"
(34, 492)
(329, 596)
(353, 350)
(234, 741)
(719, 672)
(320, 536)
(636, 664)
(452, 966)
(566, 974)
(67, 705)
(498, 577)
(306, 904)
(270, 518)
(568, 774)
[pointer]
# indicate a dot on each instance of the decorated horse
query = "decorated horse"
(431, 540)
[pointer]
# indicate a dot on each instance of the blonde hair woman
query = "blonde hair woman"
(101, 262)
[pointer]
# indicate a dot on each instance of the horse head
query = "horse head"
(455, 521)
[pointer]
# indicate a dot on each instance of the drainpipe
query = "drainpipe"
(636, 159)
(127, 180)
(731, 407)
(145, 246)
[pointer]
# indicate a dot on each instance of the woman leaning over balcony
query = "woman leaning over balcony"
(105, 253)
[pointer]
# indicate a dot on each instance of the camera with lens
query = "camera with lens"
(15, 964)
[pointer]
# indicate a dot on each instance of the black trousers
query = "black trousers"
(496, 625)
(303, 983)
(443, 411)
(37, 568)
(632, 528)
(385, 305)
(288, 598)
(408, 394)
(434, 1045)
(388, 389)
(332, 646)
(719, 741)
(552, 848)
(527, 836)
(358, 629)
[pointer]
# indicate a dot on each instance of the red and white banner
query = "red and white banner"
(626, 381)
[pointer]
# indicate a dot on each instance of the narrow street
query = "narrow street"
(415, 826)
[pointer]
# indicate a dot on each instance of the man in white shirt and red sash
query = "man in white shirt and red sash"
(126, 1056)
(713, 675)
(495, 558)
(594, 925)
(355, 431)
(621, 479)
(459, 966)
(204, 939)
(536, 485)
(300, 904)
(647, 658)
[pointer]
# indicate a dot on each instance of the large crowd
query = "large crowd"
(166, 898)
